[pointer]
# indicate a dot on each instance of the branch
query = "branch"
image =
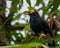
(27, 39)
(54, 24)
(2, 7)
(12, 11)
(17, 27)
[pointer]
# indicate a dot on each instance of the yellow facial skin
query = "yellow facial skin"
(31, 11)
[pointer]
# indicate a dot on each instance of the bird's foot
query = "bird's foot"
(48, 44)
(42, 36)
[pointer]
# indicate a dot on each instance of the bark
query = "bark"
(54, 24)
(4, 38)
(5, 25)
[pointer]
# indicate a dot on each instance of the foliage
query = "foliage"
(16, 6)
(33, 44)
(29, 45)
(38, 2)
(54, 3)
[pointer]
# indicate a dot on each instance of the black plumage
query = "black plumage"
(38, 24)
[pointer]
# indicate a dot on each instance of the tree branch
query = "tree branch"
(2, 7)
(27, 39)
(17, 27)
(12, 11)
(54, 24)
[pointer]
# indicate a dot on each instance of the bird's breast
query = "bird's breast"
(34, 24)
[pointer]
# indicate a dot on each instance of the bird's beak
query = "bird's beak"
(29, 12)
(26, 13)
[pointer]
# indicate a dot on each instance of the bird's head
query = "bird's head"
(29, 12)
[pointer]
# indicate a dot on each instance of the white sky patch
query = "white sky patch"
(40, 5)
(41, 12)
(49, 10)
(22, 16)
(18, 5)
(7, 12)
(58, 32)
(8, 5)
(13, 23)
(12, 43)
(51, 6)
(37, 7)
(58, 43)
(59, 7)
(46, 16)
(14, 38)
(19, 35)
(17, 31)
(33, 2)
(22, 21)
(29, 32)
(46, 2)
(27, 18)
(24, 7)
(48, 20)
(14, 15)
(54, 17)
(23, 33)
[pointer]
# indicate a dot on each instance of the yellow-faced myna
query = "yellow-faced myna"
(38, 24)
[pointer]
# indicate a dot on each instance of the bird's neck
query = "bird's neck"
(34, 18)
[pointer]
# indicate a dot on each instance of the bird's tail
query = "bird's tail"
(50, 40)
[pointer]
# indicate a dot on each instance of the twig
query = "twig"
(17, 27)
(29, 38)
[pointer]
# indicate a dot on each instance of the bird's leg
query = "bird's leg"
(41, 35)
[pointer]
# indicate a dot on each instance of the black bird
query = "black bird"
(38, 24)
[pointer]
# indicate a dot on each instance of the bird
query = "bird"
(38, 25)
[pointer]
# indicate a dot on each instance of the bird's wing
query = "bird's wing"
(47, 30)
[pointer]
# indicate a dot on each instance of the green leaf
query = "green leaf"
(27, 28)
(44, 10)
(20, 4)
(29, 45)
(57, 12)
(18, 38)
(55, 5)
(14, 7)
(29, 2)
(30, 8)
(50, 3)
(17, 17)
(38, 2)
(14, 2)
